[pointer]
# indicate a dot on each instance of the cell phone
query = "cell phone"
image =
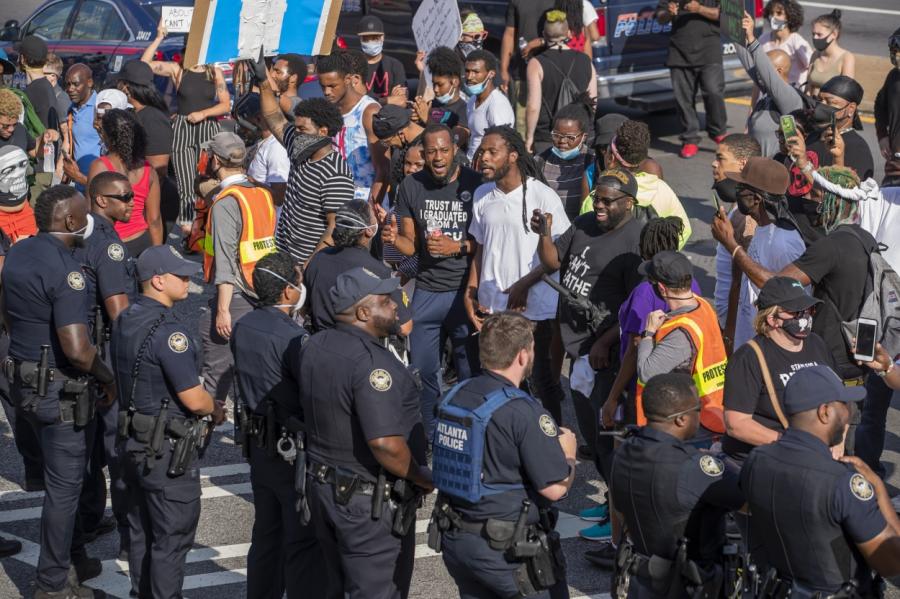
(833, 126)
(866, 330)
(718, 203)
(788, 126)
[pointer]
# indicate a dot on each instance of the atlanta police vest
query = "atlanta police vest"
(708, 369)
(257, 232)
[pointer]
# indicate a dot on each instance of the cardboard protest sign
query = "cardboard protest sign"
(227, 30)
(177, 19)
(436, 23)
(731, 14)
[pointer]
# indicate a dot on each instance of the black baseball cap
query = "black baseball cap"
(369, 25)
(606, 126)
(390, 120)
(164, 259)
(357, 283)
(787, 293)
(814, 386)
(33, 49)
(667, 267)
(136, 71)
(618, 178)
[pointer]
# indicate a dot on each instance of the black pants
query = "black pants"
(27, 443)
(163, 513)
(710, 80)
(283, 554)
(93, 498)
(544, 384)
(363, 559)
(587, 411)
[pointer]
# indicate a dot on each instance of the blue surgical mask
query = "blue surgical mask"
(566, 154)
(474, 90)
(372, 48)
(445, 99)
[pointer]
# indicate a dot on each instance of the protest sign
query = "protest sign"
(731, 14)
(436, 23)
(177, 19)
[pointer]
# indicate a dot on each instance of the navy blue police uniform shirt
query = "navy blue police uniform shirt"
(109, 268)
(266, 345)
(44, 289)
(853, 502)
(171, 362)
(521, 446)
(353, 390)
(322, 272)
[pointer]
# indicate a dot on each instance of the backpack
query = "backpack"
(881, 300)
(568, 91)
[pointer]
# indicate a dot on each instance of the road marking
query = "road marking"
(744, 101)
(849, 8)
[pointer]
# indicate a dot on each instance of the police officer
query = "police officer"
(670, 496)
(284, 554)
(493, 512)
(157, 367)
(817, 525)
(366, 443)
(111, 286)
(51, 365)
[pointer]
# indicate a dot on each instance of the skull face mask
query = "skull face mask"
(13, 179)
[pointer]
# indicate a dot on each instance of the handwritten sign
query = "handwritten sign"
(436, 23)
(177, 18)
(731, 16)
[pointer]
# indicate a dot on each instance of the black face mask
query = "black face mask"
(798, 328)
(822, 115)
(726, 189)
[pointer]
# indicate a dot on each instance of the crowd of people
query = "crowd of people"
(396, 280)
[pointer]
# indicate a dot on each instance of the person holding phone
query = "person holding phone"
(886, 367)
(837, 114)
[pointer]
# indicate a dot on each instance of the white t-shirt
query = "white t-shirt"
(494, 111)
(270, 163)
(508, 252)
(881, 218)
(589, 14)
(773, 248)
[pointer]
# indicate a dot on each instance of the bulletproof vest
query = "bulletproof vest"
(458, 445)
(789, 494)
(151, 387)
(645, 489)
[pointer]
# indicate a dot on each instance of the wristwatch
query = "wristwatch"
(884, 373)
(463, 248)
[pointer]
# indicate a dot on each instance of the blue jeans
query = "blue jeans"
(436, 316)
(869, 438)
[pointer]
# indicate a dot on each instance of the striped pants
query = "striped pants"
(185, 154)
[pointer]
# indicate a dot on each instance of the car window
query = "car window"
(50, 22)
(98, 21)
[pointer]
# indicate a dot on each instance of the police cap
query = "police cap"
(357, 283)
(164, 259)
(814, 386)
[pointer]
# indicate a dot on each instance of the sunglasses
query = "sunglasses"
(122, 197)
(606, 201)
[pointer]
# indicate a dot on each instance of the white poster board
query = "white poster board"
(177, 19)
(436, 23)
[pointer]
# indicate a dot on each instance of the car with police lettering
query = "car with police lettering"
(630, 56)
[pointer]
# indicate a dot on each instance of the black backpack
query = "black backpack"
(568, 91)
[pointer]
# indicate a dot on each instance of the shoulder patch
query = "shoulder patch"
(861, 488)
(178, 343)
(380, 379)
(75, 280)
(548, 427)
(711, 466)
(115, 252)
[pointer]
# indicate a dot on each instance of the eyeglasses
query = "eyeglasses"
(122, 197)
(567, 137)
(696, 408)
(606, 201)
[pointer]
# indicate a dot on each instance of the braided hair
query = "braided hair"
(659, 235)
(525, 163)
(835, 210)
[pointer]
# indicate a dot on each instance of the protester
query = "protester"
(472, 36)
(287, 74)
(396, 130)
(523, 24)
(759, 370)
(12, 132)
(203, 97)
(487, 106)
(53, 71)
(386, 76)
(82, 139)
(267, 159)
(126, 144)
(32, 58)
(840, 99)
(135, 80)
(887, 104)
(16, 214)
(785, 19)
(447, 106)
(695, 61)
(550, 77)
(829, 60)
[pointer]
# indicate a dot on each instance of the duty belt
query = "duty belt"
(343, 483)
(28, 372)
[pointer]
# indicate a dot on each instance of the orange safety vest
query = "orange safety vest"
(257, 234)
(708, 369)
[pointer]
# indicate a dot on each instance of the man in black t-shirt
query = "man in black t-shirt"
(695, 60)
(524, 20)
(32, 58)
(435, 208)
(386, 76)
(842, 95)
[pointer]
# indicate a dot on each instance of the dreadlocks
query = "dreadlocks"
(525, 163)
(835, 210)
(659, 235)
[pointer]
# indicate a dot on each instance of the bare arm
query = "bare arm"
(197, 400)
(734, 295)
(76, 345)
(325, 240)
(549, 254)
(557, 491)
(533, 105)
(506, 49)
(394, 456)
(271, 111)
(406, 241)
(848, 66)
(223, 106)
(592, 84)
(744, 428)
(152, 213)
(160, 162)
(380, 159)
(115, 305)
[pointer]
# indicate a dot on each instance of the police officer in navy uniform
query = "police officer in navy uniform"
(111, 285)
(366, 443)
(672, 497)
(44, 298)
(355, 227)
(527, 463)
(284, 554)
(818, 525)
(159, 429)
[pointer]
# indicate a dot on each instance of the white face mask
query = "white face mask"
(83, 232)
(372, 48)
(346, 221)
(301, 290)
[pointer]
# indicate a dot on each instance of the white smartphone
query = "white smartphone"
(866, 330)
